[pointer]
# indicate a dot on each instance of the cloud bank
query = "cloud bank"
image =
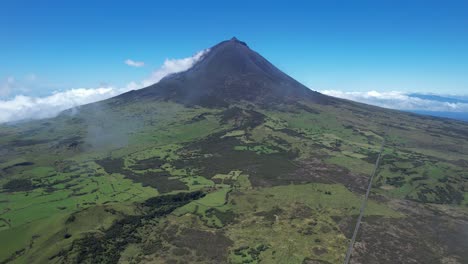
(404, 101)
(133, 63)
(25, 107)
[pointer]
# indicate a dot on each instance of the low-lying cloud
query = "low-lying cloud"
(25, 107)
(404, 101)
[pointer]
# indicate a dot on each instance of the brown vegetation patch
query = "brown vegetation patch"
(315, 170)
(424, 236)
(211, 245)
(214, 155)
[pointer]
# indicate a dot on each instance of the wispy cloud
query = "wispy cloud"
(403, 101)
(25, 107)
(173, 66)
(11, 86)
(6, 86)
(133, 63)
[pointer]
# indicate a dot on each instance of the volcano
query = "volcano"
(230, 71)
(233, 161)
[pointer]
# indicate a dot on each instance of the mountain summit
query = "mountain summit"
(230, 71)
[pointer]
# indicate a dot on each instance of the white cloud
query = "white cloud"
(173, 66)
(133, 63)
(26, 107)
(399, 100)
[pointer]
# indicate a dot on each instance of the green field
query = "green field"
(163, 182)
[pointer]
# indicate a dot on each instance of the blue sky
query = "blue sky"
(348, 46)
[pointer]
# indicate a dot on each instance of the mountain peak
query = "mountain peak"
(230, 72)
(236, 40)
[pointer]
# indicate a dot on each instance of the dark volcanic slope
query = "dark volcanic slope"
(229, 72)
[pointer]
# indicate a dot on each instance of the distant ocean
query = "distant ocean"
(463, 116)
(453, 115)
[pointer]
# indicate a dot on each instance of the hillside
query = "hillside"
(232, 161)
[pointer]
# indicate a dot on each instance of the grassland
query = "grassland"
(239, 185)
